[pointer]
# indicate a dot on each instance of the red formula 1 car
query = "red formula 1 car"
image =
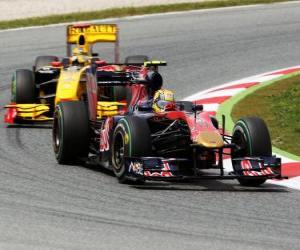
(149, 136)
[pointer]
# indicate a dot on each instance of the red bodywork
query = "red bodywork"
(197, 124)
(10, 115)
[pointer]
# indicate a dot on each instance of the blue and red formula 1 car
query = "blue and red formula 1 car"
(147, 135)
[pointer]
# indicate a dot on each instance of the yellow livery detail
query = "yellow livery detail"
(93, 33)
(70, 84)
(109, 108)
(34, 112)
(88, 34)
(155, 63)
(210, 139)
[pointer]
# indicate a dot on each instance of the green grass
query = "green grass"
(279, 105)
(129, 11)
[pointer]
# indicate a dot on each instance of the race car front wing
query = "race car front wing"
(174, 169)
(26, 112)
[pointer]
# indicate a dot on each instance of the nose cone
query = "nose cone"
(210, 139)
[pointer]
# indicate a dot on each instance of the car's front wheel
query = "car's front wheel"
(70, 132)
(23, 87)
(131, 138)
(252, 138)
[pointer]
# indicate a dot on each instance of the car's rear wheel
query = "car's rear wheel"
(70, 132)
(252, 138)
(131, 138)
(42, 61)
(23, 87)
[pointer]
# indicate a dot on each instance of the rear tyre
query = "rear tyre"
(131, 138)
(252, 137)
(42, 61)
(136, 59)
(70, 132)
(23, 87)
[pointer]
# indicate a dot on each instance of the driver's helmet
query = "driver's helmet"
(163, 100)
(80, 50)
(79, 55)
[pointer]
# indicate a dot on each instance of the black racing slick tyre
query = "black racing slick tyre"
(131, 138)
(136, 59)
(23, 87)
(252, 137)
(42, 61)
(70, 132)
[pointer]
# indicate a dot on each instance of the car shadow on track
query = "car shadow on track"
(97, 168)
(189, 185)
(209, 185)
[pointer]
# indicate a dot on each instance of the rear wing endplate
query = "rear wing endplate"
(155, 63)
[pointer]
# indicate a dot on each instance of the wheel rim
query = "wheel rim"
(119, 151)
(242, 146)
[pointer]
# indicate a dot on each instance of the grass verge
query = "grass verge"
(128, 11)
(279, 105)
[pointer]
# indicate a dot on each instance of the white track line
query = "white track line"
(219, 93)
(191, 97)
(215, 92)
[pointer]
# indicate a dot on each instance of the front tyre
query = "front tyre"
(70, 132)
(131, 138)
(23, 87)
(252, 138)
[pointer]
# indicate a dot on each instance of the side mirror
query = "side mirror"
(56, 64)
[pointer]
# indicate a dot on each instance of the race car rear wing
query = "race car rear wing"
(155, 63)
(118, 78)
(93, 33)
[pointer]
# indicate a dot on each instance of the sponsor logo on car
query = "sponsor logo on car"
(104, 135)
(136, 168)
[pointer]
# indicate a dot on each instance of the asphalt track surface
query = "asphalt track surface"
(49, 206)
